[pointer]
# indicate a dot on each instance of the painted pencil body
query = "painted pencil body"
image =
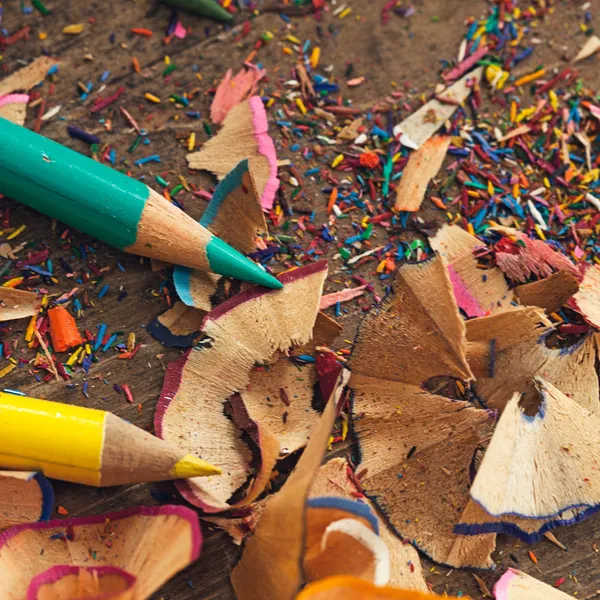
(86, 446)
(106, 204)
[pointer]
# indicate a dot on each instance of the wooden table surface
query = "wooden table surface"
(402, 51)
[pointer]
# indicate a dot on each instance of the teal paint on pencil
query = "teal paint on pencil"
(117, 209)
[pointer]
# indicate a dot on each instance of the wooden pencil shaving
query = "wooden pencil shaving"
(247, 329)
(478, 292)
(277, 548)
(423, 165)
(233, 90)
(591, 46)
(416, 129)
(178, 327)
(550, 293)
(14, 106)
(27, 77)
(17, 304)
(281, 396)
(234, 201)
(400, 345)
(332, 479)
(541, 460)
(475, 520)
(516, 585)
(25, 497)
(243, 136)
(521, 258)
(586, 300)
(506, 351)
(144, 546)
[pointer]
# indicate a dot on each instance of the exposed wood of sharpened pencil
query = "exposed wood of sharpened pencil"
(167, 233)
(130, 454)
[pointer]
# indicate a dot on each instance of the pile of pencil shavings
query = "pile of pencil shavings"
(470, 428)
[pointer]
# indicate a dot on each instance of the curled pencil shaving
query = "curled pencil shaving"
(233, 214)
(475, 520)
(249, 328)
(178, 327)
(333, 479)
(281, 397)
(83, 583)
(586, 300)
(149, 543)
(552, 292)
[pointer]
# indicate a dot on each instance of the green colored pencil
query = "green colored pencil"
(204, 8)
(117, 209)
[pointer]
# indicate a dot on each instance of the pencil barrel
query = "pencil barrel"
(69, 186)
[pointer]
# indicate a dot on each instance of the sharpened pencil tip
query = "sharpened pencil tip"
(191, 466)
(227, 261)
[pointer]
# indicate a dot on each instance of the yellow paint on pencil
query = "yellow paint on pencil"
(31, 426)
(152, 98)
(293, 40)
(191, 141)
(345, 13)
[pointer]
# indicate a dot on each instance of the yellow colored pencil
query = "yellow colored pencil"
(87, 446)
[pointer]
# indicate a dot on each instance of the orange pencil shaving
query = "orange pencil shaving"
(136, 65)
(63, 329)
(332, 198)
(140, 31)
